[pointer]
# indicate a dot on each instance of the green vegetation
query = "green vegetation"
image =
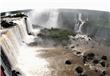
(14, 15)
(60, 35)
(18, 15)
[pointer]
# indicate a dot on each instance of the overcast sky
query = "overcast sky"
(10, 5)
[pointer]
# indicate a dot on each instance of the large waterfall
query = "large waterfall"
(23, 58)
(13, 38)
(53, 17)
(9, 43)
(46, 18)
(53, 60)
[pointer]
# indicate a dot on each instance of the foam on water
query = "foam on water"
(31, 63)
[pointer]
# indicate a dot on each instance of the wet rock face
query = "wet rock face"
(95, 21)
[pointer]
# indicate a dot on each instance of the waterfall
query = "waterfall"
(79, 23)
(78, 27)
(53, 17)
(10, 46)
(21, 56)
(45, 18)
(24, 29)
(12, 39)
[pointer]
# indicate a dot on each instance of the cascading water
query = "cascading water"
(53, 17)
(79, 23)
(9, 43)
(46, 18)
(12, 39)
(21, 56)
(23, 26)
(27, 58)
(78, 27)
(82, 22)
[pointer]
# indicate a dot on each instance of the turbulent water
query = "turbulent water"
(13, 38)
(89, 26)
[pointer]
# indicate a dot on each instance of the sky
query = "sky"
(11, 5)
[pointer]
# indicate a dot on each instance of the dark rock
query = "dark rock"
(15, 73)
(103, 63)
(89, 39)
(103, 73)
(90, 56)
(33, 43)
(84, 59)
(72, 46)
(29, 33)
(79, 69)
(68, 62)
(104, 57)
(78, 52)
(95, 61)
(6, 24)
(77, 44)
(2, 70)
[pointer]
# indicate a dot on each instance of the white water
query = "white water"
(12, 39)
(80, 36)
(50, 18)
(10, 45)
(22, 57)
(23, 31)
(53, 17)
(78, 25)
(26, 59)
(30, 63)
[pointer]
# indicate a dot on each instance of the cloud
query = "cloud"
(10, 5)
